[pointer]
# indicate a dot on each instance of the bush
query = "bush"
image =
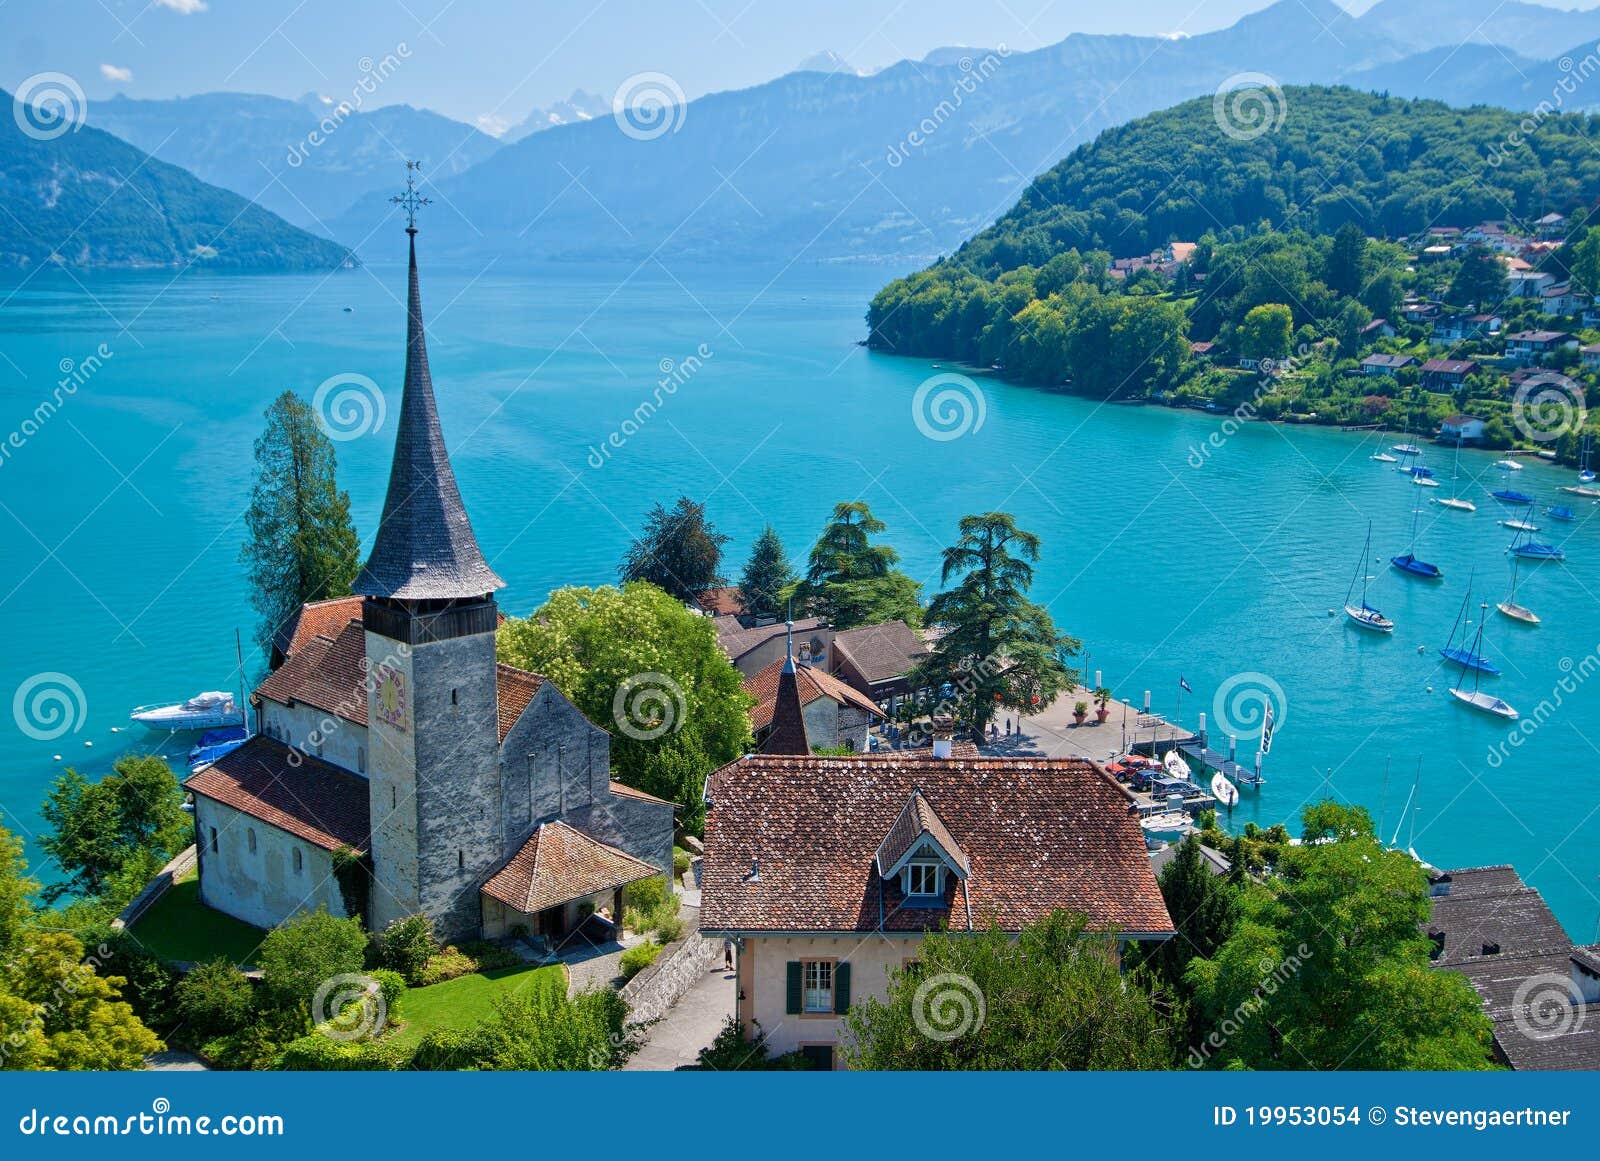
(667, 926)
(320, 1053)
(392, 987)
(407, 946)
(645, 894)
(452, 1049)
(151, 986)
(447, 965)
(299, 957)
(489, 956)
(214, 999)
(638, 957)
(731, 1052)
(682, 861)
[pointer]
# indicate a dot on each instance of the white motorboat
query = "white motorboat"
(1176, 766)
(1508, 465)
(1385, 458)
(1456, 502)
(1424, 482)
(1224, 791)
(204, 711)
(1519, 525)
(1168, 826)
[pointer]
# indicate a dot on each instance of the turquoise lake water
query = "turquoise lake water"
(121, 517)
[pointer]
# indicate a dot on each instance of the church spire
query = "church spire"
(425, 549)
(789, 734)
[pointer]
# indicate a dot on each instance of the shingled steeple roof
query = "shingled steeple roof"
(425, 549)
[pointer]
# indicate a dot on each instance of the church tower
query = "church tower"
(432, 708)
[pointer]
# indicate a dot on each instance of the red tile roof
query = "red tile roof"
(881, 652)
(622, 790)
(311, 799)
(331, 674)
(736, 640)
(916, 819)
(328, 673)
(320, 619)
(813, 683)
(560, 863)
(724, 602)
(1039, 834)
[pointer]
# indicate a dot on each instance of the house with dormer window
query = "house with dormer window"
(828, 872)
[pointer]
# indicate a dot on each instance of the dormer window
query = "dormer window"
(925, 880)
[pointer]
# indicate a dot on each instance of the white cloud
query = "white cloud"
(116, 73)
(186, 7)
(492, 124)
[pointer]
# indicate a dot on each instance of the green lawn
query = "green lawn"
(180, 927)
(467, 1001)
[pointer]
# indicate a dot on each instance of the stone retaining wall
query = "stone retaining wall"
(182, 863)
(651, 993)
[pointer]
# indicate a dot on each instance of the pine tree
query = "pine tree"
(1347, 260)
(679, 551)
(999, 648)
(766, 575)
(301, 544)
(852, 581)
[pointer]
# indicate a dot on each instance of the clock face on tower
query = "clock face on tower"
(393, 704)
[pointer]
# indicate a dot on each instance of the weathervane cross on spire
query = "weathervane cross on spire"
(411, 199)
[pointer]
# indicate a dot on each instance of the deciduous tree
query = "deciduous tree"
(679, 551)
(110, 836)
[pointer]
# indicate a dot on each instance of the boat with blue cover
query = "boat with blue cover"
(1412, 564)
(1460, 654)
(1561, 512)
(1512, 496)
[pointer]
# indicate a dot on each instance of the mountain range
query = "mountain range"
(908, 162)
(823, 163)
(304, 160)
(79, 197)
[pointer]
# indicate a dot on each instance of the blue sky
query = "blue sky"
(499, 58)
(496, 59)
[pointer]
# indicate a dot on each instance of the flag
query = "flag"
(1266, 729)
(1184, 685)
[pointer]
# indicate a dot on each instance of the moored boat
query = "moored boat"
(1364, 614)
(1561, 512)
(205, 711)
(1512, 496)
(1518, 525)
(1455, 502)
(1475, 698)
(1534, 550)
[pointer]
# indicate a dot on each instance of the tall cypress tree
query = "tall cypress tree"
(301, 544)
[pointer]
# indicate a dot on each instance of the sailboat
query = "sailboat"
(1586, 474)
(1518, 525)
(1475, 698)
(1453, 500)
(1466, 658)
(1561, 512)
(1410, 563)
(1382, 456)
(1405, 447)
(1364, 614)
(1510, 607)
(1508, 465)
(1530, 549)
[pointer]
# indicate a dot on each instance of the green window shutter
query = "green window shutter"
(794, 988)
(841, 988)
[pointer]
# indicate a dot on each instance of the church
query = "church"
(397, 768)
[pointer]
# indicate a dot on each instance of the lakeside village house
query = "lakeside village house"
(827, 872)
(476, 792)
